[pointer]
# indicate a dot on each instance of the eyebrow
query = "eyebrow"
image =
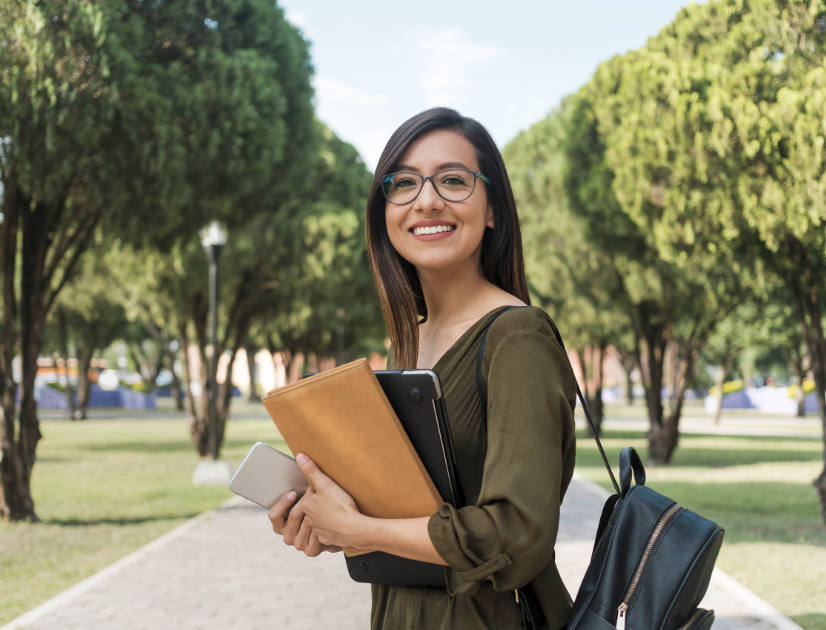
(441, 167)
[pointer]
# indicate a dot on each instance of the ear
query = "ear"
(489, 217)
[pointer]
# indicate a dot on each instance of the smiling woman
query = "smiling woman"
(438, 228)
(446, 254)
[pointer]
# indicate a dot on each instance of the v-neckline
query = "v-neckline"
(466, 334)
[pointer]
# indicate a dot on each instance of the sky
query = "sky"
(506, 63)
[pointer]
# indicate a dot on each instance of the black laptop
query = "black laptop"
(416, 397)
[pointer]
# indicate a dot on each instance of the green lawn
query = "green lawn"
(759, 489)
(104, 488)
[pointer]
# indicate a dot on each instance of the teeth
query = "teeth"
(435, 229)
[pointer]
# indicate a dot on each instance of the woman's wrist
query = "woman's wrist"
(400, 537)
(363, 532)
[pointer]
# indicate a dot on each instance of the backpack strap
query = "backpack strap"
(482, 389)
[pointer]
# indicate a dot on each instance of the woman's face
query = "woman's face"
(430, 232)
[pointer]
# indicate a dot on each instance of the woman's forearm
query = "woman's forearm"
(406, 537)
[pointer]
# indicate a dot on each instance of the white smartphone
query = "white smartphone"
(266, 474)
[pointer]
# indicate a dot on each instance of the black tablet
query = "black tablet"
(416, 397)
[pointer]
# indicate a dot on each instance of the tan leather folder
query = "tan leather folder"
(342, 420)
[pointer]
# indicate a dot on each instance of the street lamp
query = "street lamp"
(213, 238)
(213, 472)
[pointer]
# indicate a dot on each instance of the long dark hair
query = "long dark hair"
(399, 289)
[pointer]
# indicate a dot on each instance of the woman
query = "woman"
(446, 254)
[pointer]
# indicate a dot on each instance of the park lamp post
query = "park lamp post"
(213, 239)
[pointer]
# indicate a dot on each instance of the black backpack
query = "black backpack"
(651, 564)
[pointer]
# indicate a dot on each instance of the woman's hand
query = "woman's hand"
(293, 526)
(328, 509)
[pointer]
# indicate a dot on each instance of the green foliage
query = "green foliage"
(569, 275)
(324, 301)
(90, 304)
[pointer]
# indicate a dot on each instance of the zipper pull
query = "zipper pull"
(516, 594)
(623, 608)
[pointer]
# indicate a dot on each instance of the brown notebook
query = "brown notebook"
(343, 421)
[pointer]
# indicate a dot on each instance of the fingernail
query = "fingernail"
(291, 495)
(301, 458)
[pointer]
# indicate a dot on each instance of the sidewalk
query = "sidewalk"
(226, 569)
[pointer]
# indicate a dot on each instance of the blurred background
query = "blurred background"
(182, 187)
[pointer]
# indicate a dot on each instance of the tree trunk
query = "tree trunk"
(811, 316)
(251, 350)
(175, 385)
(294, 365)
(195, 407)
(660, 435)
(64, 349)
(583, 371)
(18, 461)
(629, 386)
(177, 389)
(651, 369)
(10, 473)
(225, 399)
(718, 396)
(796, 359)
(37, 227)
(628, 361)
(662, 441)
(595, 403)
(84, 385)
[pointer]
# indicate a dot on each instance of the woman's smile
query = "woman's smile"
(432, 230)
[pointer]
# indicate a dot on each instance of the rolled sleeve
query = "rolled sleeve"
(507, 537)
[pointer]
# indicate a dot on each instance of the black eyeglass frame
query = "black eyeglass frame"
(388, 179)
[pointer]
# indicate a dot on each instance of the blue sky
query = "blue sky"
(506, 63)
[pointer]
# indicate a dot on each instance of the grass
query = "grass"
(759, 489)
(104, 488)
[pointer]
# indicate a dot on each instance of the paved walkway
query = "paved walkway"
(225, 569)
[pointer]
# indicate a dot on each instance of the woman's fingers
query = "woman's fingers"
(302, 538)
(292, 524)
(314, 547)
(277, 513)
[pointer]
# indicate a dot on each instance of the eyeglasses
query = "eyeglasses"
(452, 184)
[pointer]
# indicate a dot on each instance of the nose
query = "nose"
(428, 199)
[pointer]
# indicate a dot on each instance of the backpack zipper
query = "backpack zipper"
(622, 610)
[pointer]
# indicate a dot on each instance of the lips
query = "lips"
(430, 227)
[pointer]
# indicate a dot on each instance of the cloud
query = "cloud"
(449, 60)
(331, 90)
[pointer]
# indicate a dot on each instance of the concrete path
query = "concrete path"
(225, 569)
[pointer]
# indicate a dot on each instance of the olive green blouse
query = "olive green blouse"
(514, 470)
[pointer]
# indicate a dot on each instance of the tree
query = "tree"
(773, 130)
(140, 118)
(56, 111)
(670, 182)
(568, 275)
(89, 318)
(294, 270)
(761, 152)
